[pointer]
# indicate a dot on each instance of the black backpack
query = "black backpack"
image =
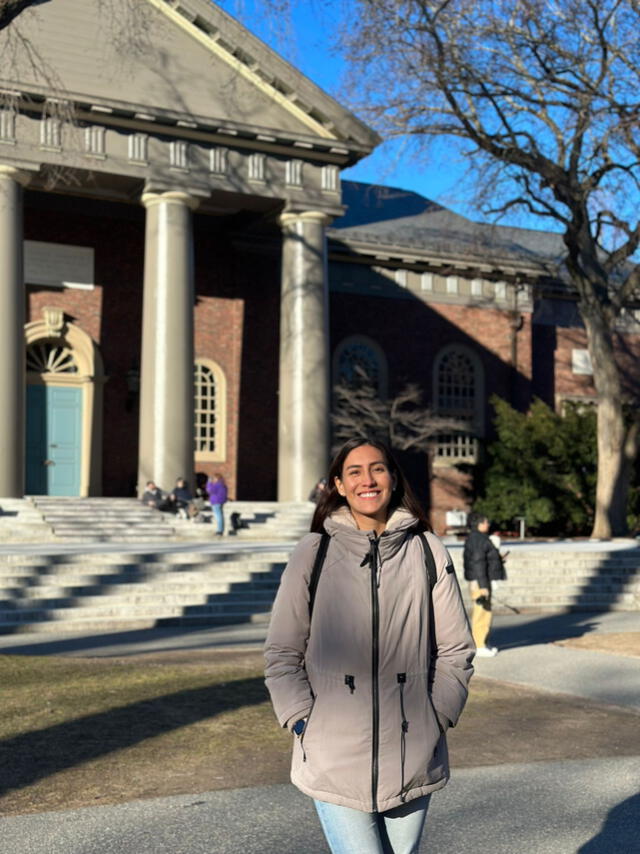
(429, 563)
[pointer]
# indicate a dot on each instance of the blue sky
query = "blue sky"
(304, 39)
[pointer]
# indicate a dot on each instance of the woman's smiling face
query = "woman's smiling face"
(367, 484)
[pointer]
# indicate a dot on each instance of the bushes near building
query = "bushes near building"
(542, 466)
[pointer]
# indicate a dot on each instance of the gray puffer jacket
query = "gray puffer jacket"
(377, 696)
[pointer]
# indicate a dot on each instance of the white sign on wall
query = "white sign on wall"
(58, 265)
(581, 362)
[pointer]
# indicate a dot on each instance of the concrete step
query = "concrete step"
(142, 567)
(138, 591)
(110, 624)
(156, 610)
(122, 601)
(549, 564)
(141, 576)
(179, 559)
(117, 535)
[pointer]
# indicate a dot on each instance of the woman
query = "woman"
(217, 491)
(369, 683)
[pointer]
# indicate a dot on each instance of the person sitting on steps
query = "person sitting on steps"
(181, 497)
(158, 499)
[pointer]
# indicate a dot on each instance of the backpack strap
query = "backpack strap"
(429, 562)
(317, 569)
(432, 576)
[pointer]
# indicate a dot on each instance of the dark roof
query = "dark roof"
(389, 216)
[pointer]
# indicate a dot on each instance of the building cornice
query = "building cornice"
(489, 265)
(250, 57)
(156, 121)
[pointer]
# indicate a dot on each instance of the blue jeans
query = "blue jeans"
(217, 512)
(396, 831)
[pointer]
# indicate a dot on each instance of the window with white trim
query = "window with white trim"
(359, 359)
(209, 411)
(50, 357)
(426, 281)
(458, 395)
(452, 284)
(401, 277)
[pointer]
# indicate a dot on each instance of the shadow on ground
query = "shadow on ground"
(619, 832)
(525, 631)
(35, 755)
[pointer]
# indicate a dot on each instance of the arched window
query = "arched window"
(359, 359)
(459, 395)
(210, 411)
(50, 357)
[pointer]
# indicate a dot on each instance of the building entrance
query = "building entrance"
(54, 440)
(63, 409)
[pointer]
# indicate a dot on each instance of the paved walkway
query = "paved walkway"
(529, 657)
(586, 807)
(569, 807)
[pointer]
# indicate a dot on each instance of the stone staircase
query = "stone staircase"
(276, 520)
(574, 581)
(98, 591)
(124, 520)
(22, 522)
(566, 580)
(101, 591)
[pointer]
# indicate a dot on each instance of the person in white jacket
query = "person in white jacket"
(370, 669)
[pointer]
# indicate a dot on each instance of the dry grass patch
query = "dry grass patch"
(79, 732)
(618, 643)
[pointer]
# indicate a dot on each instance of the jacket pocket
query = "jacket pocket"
(435, 717)
(306, 727)
(411, 756)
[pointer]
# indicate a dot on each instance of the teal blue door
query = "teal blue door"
(54, 440)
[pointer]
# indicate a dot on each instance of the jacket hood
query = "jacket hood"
(342, 526)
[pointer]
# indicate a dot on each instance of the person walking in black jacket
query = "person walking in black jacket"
(482, 565)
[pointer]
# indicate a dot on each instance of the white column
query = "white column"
(166, 448)
(303, 424)
(12, 347)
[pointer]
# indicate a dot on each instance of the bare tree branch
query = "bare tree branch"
(402, 421)
(548, 94)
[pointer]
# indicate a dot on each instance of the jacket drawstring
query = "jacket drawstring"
(372, 557)
(350, 682)
(402, 678)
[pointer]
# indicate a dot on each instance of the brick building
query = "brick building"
(181, 210)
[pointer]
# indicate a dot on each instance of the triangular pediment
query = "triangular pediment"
(181, 58)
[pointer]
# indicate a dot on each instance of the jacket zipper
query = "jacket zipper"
(375, 621)
(402, 678)
(304, 731)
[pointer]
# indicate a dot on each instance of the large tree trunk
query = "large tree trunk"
(614, 457)
(10, 9)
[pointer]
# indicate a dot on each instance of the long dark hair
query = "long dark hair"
(402, 496)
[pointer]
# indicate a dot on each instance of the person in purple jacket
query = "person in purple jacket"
(217, 491)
